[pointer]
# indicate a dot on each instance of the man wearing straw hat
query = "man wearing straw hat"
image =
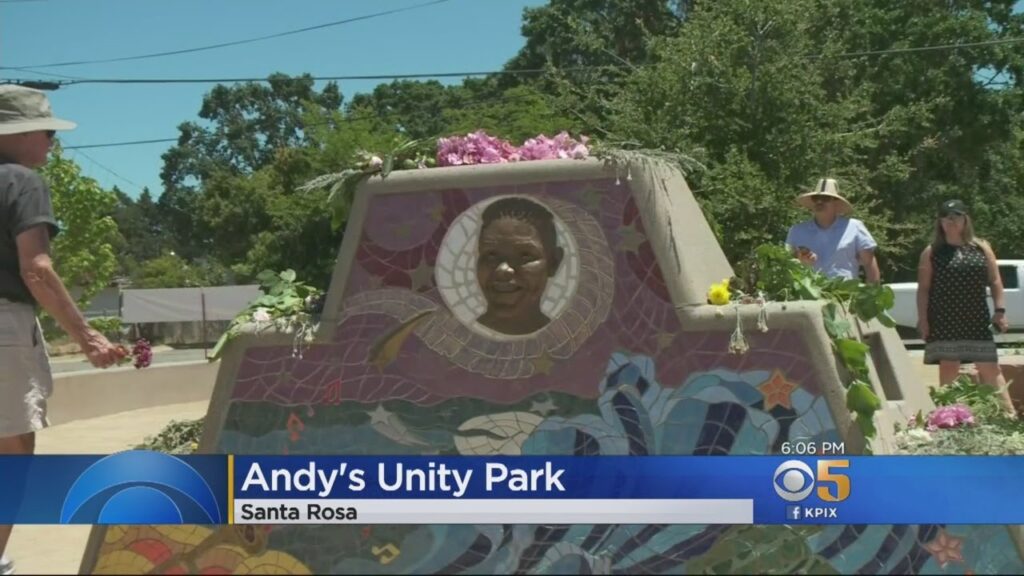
(27, 278)
(832, 242)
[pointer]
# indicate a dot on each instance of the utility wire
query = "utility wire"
(232, 43)
(465, 74)
(524, 71)
(349, 119)
(921, 48)
(107, 169)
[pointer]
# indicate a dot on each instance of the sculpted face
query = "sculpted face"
(513, 268)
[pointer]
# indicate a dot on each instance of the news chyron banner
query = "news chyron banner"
(139, 487)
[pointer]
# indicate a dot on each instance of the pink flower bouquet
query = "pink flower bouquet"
(480, 148)
(953, 416)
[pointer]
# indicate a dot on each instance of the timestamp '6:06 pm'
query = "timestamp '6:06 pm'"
(813, 448)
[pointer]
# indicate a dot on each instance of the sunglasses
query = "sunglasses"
(952, 217)
(50, 134)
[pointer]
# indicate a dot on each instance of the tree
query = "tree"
(83, 253)
(412, 108)
(772, 95)
(246, 125)
(522, 112)
(568, 33)
(142, 237)
(166, 271)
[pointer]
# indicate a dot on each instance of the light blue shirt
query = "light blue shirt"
(836, 246)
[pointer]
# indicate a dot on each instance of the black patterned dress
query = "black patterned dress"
(959, 319)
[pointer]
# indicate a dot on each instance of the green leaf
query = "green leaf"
(288, 275)
(886, 298)
(866, 422)
(289, 303)
(837, 329)
(854, 354)
(860, 398)
(265, 301)
(886, 320)
(267, 277)
(810, 291)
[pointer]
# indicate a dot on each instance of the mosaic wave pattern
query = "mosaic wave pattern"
(632, 384)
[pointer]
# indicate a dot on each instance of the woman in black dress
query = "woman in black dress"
(954, 274)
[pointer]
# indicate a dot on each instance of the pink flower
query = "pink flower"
(142, 354)
(376, 162)
(950, 417)
(480, 148)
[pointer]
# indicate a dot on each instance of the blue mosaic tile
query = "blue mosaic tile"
(817, 542)
(862, 550)
(813, 422)
(757, 435)
(802, 400)
(744, 391)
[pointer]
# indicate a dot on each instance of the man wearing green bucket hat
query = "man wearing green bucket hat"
(27, 277)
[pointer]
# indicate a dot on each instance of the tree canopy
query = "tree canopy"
(904, 103)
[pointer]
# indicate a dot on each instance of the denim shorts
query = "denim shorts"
(25, 378)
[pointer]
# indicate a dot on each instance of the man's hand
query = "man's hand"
(805, 256)
(100, 352)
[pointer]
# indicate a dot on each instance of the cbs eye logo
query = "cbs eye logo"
(794, 481)
(139, 487)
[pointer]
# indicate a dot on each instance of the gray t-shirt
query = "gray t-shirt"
(24, 202)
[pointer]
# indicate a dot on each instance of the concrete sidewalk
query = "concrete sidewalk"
(58, 549)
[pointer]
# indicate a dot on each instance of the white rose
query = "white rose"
(919, 435)
(261, 315)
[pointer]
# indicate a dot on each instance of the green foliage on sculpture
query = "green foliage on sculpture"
(774, 275)
(287, 305)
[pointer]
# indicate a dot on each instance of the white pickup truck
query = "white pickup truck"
(904, 310)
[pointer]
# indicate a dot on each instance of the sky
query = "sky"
(454, 36)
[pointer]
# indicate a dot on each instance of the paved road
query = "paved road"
(161, 355)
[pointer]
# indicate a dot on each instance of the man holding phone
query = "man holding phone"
(833, 243)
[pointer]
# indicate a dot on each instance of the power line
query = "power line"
(105, 168)
(128, 143)
(525, 71)
(921, 48)
(232, 43)
(353, 118)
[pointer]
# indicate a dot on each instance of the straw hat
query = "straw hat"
(826, 187)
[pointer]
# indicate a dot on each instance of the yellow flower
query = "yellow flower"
(719, 294)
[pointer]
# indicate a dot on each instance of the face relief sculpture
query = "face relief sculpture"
(518, 252)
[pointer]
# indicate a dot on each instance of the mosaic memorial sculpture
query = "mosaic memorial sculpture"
(597, 341)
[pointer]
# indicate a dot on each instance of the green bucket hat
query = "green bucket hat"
(27, 110)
